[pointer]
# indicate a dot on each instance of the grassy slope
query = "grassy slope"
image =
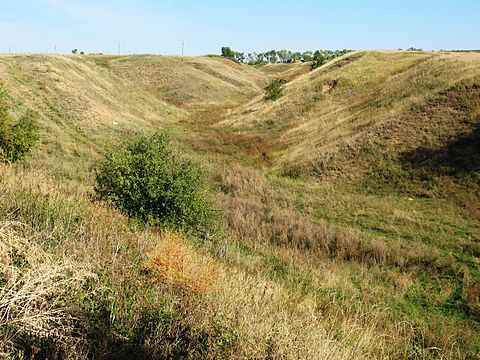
(81, 107)
(190, 81)
(85, 103)
(385, 269)
(373, 91)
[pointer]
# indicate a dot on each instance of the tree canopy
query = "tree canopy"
(282, 56)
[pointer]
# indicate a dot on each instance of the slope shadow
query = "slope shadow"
(459, 157)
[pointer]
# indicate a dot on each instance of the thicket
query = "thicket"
(17, 137)
(148, 179)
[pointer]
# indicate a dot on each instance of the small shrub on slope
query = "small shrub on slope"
(16, 138)
(147, 179)
(275, 89)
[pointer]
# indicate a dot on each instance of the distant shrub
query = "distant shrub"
(16, 137)
(274, 90)
(147, 179)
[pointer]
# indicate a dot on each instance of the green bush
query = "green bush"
(147, 179)
(16, 137)
(275, 89)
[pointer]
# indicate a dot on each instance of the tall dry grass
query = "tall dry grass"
(256, 214)
(349, 276)
(37, 297)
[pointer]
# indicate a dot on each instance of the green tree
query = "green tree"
(227, 52)
(239, 56)
(148, 179)
(271, 56)
(307, 56)
(74, 51)
(297, 56)
(318, 60)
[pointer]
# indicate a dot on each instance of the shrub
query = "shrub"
(147, 179)
(16, 138)
(275, 89)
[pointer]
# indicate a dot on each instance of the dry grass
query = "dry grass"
(81, 108)
(253, 316)
(344, 268)
(256, 215)
(175, 262)
(272, 323)
(242, 315)
(190, 81)
(36, 295)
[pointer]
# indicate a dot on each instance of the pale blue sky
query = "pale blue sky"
(156, 26)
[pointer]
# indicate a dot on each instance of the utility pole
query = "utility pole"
(55, 48)
(119, 48)
(183, 47)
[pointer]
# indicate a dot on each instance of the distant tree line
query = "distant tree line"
(282, 56)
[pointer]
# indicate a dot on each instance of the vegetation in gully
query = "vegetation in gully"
(17, 137)
(283, 205)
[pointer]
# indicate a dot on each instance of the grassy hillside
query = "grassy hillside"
(186, 82)
(342, 105)
(81, 107)
(85, 103)
(349, 210)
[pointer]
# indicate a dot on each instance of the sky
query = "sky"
(160, 26)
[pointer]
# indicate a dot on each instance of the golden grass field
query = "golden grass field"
(349, 210)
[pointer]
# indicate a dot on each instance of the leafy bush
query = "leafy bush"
(275, 89)
(147, 179)
(16, 137)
